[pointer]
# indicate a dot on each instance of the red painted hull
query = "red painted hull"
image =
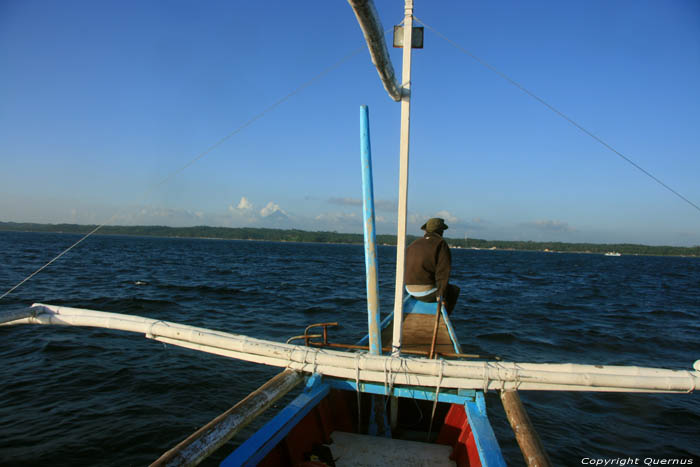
(338, 412)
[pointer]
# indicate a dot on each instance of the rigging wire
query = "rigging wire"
(201, 155)
(556, 111)
(50, 262)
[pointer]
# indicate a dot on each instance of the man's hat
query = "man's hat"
(434, 224)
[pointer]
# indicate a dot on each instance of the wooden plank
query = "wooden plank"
(350, 449)
(418, 334)
(486, 444)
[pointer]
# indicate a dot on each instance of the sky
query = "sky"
(108, 110)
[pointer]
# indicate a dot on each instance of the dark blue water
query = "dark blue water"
(81, 396)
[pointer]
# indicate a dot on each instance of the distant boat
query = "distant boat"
(612, 253)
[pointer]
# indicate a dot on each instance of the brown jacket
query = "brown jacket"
(428, 262)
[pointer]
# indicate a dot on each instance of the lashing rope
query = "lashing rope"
(437, 393)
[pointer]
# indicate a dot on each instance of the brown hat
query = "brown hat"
(434, 224)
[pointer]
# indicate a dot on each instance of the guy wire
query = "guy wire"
(556, 111)
(199, 156)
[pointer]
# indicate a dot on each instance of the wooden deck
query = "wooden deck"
(353, 450)
(418, 333)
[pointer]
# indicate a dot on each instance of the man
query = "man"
(428, 264)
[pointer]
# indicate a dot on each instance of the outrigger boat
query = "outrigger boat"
(359, 405)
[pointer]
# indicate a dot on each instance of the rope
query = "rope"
(486, 377)
(358, 356)
(149, 333)
(558, 112)
(386, 382)
(516, 377)
(199, 156)
(50, 262)
(306, 354)
(437, 393)
(692, 380)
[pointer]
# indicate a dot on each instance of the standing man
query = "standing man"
(428, 265)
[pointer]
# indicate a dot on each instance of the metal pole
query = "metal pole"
(371, 263)
(403, 175)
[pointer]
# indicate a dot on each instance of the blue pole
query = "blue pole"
(371, 263)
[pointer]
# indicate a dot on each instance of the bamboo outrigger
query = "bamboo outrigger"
(343, 413)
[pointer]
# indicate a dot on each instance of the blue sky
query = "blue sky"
(101, 101)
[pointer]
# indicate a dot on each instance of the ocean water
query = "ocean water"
(82, 396)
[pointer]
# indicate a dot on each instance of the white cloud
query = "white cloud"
(449, 218)
(270, 209)
(244, 204)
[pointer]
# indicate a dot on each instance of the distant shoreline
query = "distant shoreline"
(295, 235)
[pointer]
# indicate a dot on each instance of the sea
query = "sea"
(83, 396)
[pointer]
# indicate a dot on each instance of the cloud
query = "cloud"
(150, 215)
(549, 226)
(336, 216)
(345, 201)
(272, 208)
(449, 218)
(385, 205)
(336, 221)
(420, 218)
(379, 204)
(414, 218)
(244, 204)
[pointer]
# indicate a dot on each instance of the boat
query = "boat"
(350, 419)
(326, 422)
(355, 402)
(612, 253)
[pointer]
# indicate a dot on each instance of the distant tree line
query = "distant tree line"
(295, 235)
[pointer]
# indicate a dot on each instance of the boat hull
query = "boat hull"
(325, 424)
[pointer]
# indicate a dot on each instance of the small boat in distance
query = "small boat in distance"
(612, 253)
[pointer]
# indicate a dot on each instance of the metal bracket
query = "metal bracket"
(307, 337)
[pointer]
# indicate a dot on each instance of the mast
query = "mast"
(371, 262)
(368, 20)
(403, 175)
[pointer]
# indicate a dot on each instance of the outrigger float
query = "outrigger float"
(358, 405)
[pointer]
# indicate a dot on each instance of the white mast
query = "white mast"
(403, 175)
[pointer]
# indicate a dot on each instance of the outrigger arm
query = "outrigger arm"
(371, 26)
(483, 375)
